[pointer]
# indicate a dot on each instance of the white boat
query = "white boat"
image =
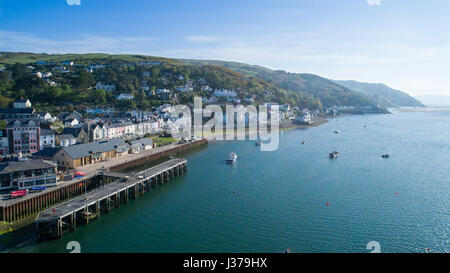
(232, 158)
(334, 154)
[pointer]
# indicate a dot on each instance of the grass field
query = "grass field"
(29, 58)
(162, 141)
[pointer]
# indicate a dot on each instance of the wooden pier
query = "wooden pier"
(53, 222)
(23, 210)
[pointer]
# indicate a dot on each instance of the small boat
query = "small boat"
(258, 143)
(385, 156)
(334, 154)
(303, 142)
(287, 250)
(337, 132)
(232, 158)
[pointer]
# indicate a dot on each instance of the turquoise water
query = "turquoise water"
(280, 197)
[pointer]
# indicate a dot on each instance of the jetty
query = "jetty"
(23, 211)
(55, 221)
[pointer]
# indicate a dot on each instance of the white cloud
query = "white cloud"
(202, 39)
(25, 42)
(417, 68)
(373, 2)
(73, 2)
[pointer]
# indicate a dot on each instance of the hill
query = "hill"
(73, 81)
(74, 76)
(328, 92)
(382, 94)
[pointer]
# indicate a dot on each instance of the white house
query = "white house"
(124, 96)
(249, 100)
(96, 66)
(165, 108)
(22, 103)
(161, 91)
(45, 117)
(185, 88)
(212, 99)
(71, 122)
(46, 139)
(225, 93)
(206, 88)
(105, 86)
(66, 140)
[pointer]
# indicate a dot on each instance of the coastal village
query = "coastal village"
(42, 152)
(32, 135)
(46, 151)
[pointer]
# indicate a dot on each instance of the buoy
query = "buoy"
(328, 203)
(396, 193)
(233, 192)
(428, 249)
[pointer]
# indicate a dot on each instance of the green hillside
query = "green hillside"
(73, 85)
(328, 92)
(382, 94)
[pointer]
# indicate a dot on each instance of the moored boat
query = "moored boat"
(232, 158)
(334, 154)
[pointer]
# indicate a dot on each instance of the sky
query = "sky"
(402, 43)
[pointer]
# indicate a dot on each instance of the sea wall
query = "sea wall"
(158, 155)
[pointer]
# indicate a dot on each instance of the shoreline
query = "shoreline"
(8, 229)
(211, 136)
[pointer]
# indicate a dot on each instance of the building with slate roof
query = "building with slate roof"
(88, 153)
(27, 174)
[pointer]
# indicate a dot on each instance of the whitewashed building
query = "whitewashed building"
(124, 96)
(105, 86)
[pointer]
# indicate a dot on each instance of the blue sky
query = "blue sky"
(403, 43)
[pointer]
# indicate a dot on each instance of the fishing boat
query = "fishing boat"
(287, 250)
(334, 154)
(385, 156)
(232, 158)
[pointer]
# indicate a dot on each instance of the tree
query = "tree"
(84, 80)
(2, 124)
(97, 96)
(4, 101)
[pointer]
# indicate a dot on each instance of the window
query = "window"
(40, 182)
(29, 183)
(51, 181)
